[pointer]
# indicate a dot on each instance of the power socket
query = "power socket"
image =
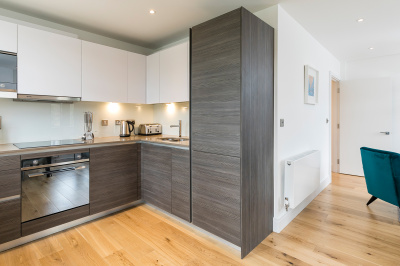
(117, 122)
(104, 123)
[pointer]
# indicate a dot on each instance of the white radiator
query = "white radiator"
(302, 177)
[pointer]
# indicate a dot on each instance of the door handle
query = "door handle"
(386, 132)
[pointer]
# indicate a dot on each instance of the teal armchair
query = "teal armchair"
(382, 175)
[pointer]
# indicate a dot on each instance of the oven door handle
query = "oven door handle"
(57, 171)
(53, 164)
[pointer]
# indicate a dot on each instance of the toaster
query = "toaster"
(150, 129)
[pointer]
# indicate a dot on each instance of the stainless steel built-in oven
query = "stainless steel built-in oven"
(8, 72)
(54, 184)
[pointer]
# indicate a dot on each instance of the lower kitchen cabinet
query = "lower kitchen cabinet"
(113, 176)
(216, 194)
(156, 176)
(10, 198)
(166, 179)
(10, 219)
(181, 183)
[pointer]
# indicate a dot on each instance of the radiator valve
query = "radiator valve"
(287, 203)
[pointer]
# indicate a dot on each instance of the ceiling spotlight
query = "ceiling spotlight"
(371, 48)
(152, 11)
(360, 20)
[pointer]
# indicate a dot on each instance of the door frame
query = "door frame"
(332, 77)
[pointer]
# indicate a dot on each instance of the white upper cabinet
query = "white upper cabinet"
(174, 74)
(104, 73)
(136, 78)
(153, 79)
(48, 63)
(8, 40)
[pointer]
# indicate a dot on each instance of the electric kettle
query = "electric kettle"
(127, 127)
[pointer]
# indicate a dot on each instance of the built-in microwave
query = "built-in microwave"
(8, 72)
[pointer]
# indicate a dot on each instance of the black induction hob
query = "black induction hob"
(37, 144)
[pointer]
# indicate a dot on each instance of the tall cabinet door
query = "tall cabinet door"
(216, 194)
(104, 73)
(174, 74)
(8, 40)
(215, 92)
(48, 63)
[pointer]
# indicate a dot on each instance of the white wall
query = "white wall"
(381, 67)
(168, 115)
(305, 125)
(25, 121)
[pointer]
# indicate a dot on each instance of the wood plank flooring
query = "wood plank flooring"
(337, 228)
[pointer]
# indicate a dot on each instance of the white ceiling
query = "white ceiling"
(129, 20)
(332, 22)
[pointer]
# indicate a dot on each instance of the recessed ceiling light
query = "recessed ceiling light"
(371, 48)
(152, 11)
(360, 20)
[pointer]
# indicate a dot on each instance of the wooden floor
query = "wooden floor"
(336, 228)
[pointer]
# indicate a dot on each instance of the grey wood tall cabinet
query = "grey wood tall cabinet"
(232, 127)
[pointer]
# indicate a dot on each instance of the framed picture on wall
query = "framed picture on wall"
(310, 85)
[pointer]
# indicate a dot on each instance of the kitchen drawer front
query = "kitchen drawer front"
(53, 220)
(113, 177)
(10, 162)
(216, 195)
(10, 183)
(181, 183)
(10, 219)
(156, 176)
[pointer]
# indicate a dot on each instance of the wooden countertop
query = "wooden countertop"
(10, 149)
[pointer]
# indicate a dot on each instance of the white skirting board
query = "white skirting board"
(281, 222)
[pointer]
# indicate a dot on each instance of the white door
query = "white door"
(335, 118)
(365, 112)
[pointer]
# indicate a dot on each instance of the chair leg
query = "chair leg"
(372, 199)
